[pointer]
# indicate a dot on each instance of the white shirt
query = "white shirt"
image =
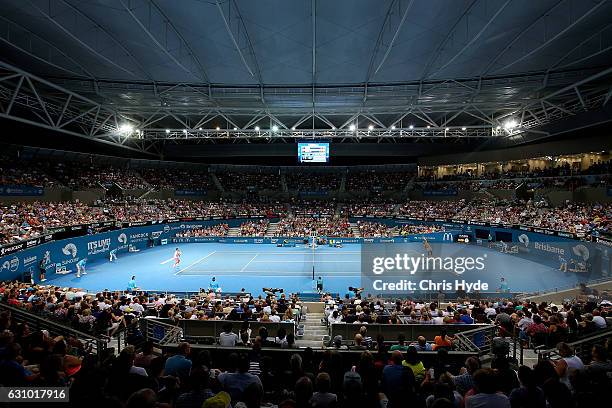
(228, 339)
(275, 318)
(600, 322)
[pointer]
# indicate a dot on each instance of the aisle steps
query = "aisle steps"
(314, 331)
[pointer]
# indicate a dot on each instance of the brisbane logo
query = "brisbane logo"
(11, 265)
(70, 249)
(122, 238)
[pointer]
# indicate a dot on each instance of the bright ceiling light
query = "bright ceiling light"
(370, 127)
(447, 129)
(499, 127)
(352, 128)
(257, 128)
(428, 126)
(333, 128)
(393, 127)
(218, 128)
(235, 128)
(411, 127)
(463, 128)
(275, 128)
(167, 130)
(510, 124)
(126, 128)
(184, 130)
(201, 129)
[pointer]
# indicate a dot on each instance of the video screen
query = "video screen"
(313, 152)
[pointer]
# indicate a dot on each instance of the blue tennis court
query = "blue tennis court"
(253, 266)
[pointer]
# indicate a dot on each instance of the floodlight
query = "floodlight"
(370, 127)
(167, 131)
(411, 127)
(126, 128)
(352, 128)
(275, 128)
(257, 128)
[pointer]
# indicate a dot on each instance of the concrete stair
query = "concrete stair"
(271, 230)
(314, 331)
(233, 232)
(355, 230)
(216, 182)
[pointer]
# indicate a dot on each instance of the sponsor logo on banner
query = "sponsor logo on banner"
(122, 238)
(99, 246)
(29, 261)
(524, 239)
(447, 236)
(10, 265)
(166, 228)
(258, 241)
(156, 234)
(581, 251)
(546, 247)
(70, 249)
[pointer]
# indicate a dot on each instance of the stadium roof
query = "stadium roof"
(220, 69)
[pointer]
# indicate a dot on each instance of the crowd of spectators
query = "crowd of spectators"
(377, 229)
(254, 228)
(313, 226)
(218, 230)
(308, 181)
(26, 220)
(378, 180)
(387, 373)
(249, 180)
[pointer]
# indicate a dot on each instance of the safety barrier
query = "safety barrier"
(410, 331)
(582, 347)
(208, 330)
(97, 345)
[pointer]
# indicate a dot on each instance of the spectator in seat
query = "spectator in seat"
(323, 398)
(398, 382)
(567, 363)
(143, 359)
(227, 338)
(303, 392)
(413, 362)
(236, 383)
(443, 340)
(486, 392)
(422, 345)
(178, 365)
(465, 380)
(401, 343)
(528, 395)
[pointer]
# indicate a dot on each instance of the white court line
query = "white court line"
(195, 263)
(245, 266)
(166, 261)
(291, 253)
(309, 261)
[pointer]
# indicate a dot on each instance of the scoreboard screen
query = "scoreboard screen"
(313, 152)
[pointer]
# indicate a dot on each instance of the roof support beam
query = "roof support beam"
(380, 42)
(474, 39)
(553, 38)
(243, 36)
(518, 36)
(446, 39)
(201, 76)
(89, 48)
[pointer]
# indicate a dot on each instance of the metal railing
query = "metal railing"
(480, 340)
(97, 345)
(160, 333)
(582, 347)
